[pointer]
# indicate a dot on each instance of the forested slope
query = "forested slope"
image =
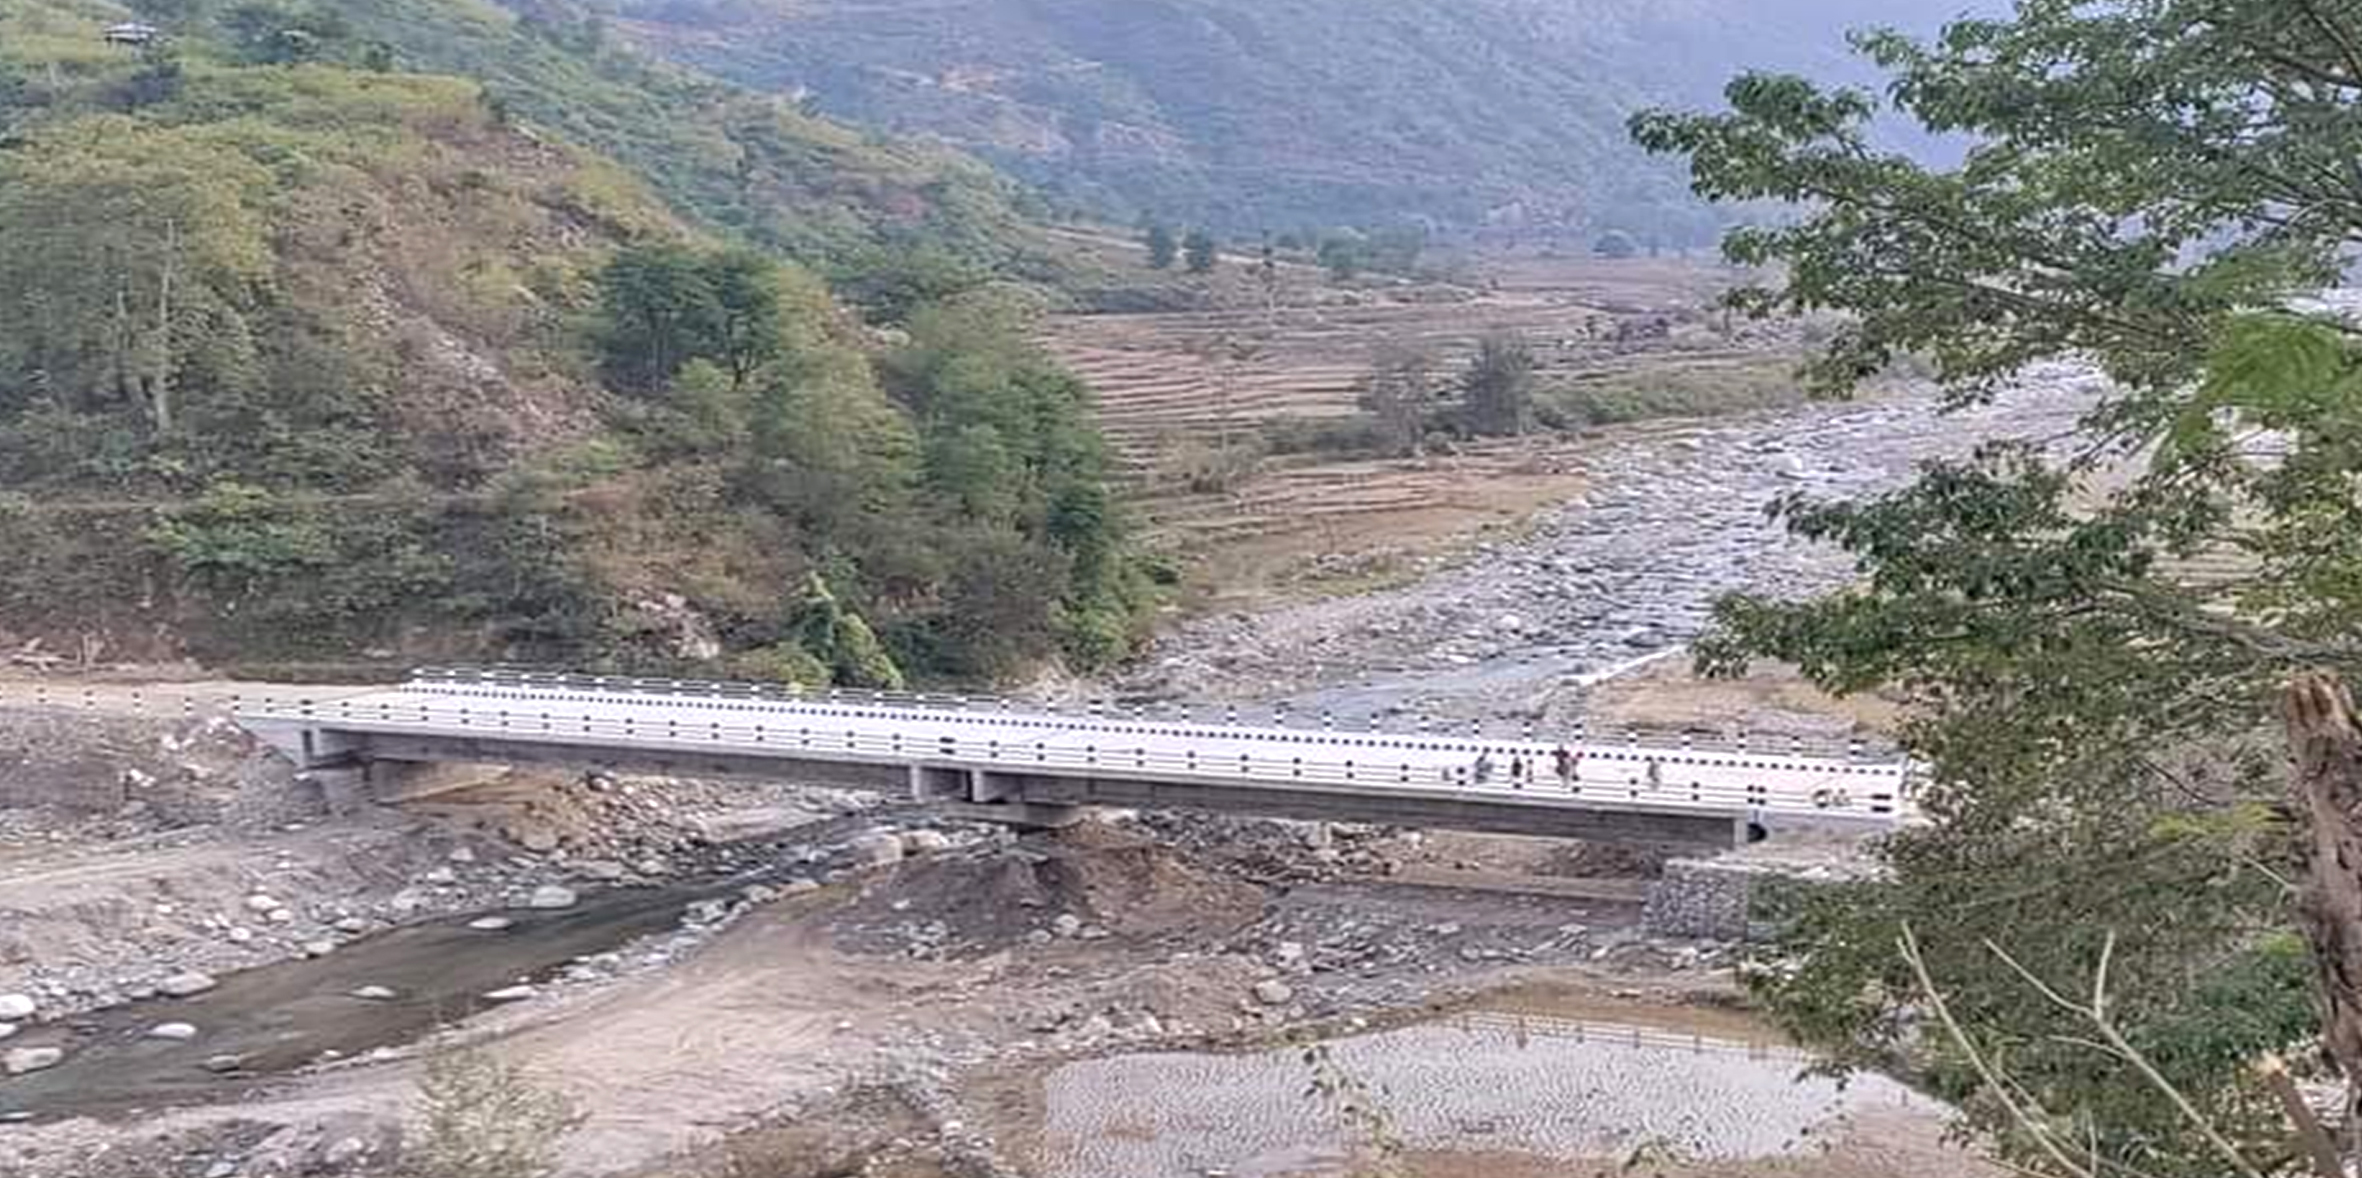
(1284, 114)
(311, 348)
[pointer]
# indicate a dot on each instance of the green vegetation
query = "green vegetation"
(2152, 191)
(1201, 251)
(1162, 248)
(302, 354)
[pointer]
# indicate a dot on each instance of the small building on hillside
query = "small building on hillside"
(131, 33)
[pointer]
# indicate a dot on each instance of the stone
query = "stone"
(878, 848)
(1288, 955)
(1067, 924)
(539, 840)
(183, 985)
(375, 994)
(441, 875)
(517, 993)
(222, 1170)
(352, 925)
(925, 842)
(461, 855)
(1274, 992)
(320, 948)
(31, 1059)
(490, 924)
(601, 869)
(16, 1008)
(259, 902)
(280, 916)
(220, 1064)
(176, 1032)
(240, 935)
(799, 887)
(7, 1031)
(760, 893)
(551, 896)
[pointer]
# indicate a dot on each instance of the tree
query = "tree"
(1162, 248)
(2151, 190)
(840, 640)
(657, 313)
(1497, 392)
(132, 272)
(1201, 251)
(1401, 394)
(1344, 257)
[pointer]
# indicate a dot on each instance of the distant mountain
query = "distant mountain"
(1278, 114)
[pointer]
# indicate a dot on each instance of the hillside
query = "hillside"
(312, 351)
(1283, 114)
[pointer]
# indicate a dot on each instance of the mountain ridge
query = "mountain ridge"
(1284, 114)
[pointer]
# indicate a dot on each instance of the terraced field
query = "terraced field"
(1209, 410)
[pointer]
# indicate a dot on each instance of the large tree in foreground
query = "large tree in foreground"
(2096, 632)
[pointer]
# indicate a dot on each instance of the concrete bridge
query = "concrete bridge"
(996, 760)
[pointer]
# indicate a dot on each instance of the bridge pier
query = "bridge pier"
(980, 795)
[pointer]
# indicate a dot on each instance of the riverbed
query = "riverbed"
(1675, 519)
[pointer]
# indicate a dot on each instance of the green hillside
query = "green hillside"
(1283, 114)
(332, 329)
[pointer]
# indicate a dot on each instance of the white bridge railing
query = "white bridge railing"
(667, 716)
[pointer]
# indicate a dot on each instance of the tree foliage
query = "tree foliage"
(1201, 252)
(1497, 391)
(2153, 187)
(1161, 245)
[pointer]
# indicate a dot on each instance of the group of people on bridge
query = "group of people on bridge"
(1566, 765)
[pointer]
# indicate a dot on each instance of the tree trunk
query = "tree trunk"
(2327, 749)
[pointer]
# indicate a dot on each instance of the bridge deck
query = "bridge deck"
(493, 717)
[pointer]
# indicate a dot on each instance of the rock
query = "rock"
(539, 840)
(551, 896)
(7, 1031)
(259, 902)
(176, 1032)
(601, 869)
(219, 1064)
(760, 893)
(799, 887)
(1067, 925)
(517, 993)
(1274, 992)
(320, 948)
(31, 1059)
(222, 1170)
(877, 848)
(490, 924)
(183, 985)
(1288, 955)
(281, 916)
(375, 994)
(925, 842)
(352, 925)
(240, 935)
(441, 875)
(461, 855)
(16, 1008)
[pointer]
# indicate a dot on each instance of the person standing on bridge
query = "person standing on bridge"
(1656, 774)
(1563, 762)
(1516, 771)
(1484, 766)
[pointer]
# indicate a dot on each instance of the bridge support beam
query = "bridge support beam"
(980, 795)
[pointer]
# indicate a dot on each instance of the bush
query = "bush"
(484, 1118)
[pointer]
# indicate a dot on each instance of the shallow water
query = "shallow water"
(1482, 1082)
